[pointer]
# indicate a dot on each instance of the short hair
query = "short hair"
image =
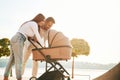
(38, 18)
(50, 19)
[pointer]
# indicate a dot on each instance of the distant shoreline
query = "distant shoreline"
(67, 64)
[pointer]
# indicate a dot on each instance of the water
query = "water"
(79, 74)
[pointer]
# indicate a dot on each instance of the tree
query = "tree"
(80, 47)
(4, 47)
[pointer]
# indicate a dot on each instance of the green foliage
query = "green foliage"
(4, 47)
(80, 47)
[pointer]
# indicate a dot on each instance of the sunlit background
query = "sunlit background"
(96, 21)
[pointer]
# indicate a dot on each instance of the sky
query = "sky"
(96, 21)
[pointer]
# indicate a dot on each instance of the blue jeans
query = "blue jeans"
(16, 55)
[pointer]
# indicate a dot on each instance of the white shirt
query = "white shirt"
(30, 29)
